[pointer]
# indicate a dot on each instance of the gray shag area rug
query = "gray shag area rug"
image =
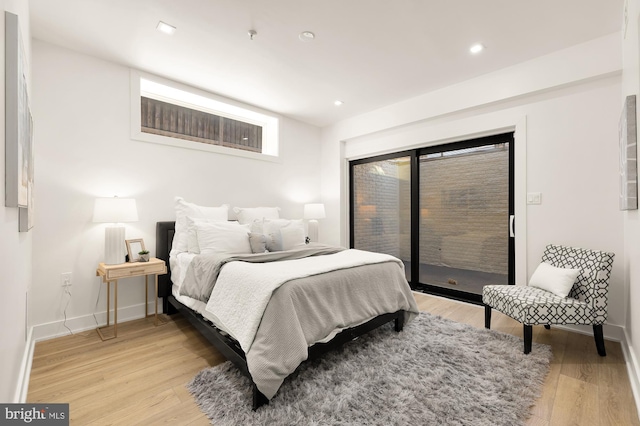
(435, 372)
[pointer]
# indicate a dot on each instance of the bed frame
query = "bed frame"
(228, 346)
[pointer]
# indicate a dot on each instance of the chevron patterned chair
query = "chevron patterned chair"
(570, 286)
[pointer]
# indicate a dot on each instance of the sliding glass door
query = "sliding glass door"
(381, 207)
(464, 217)
(445, 211)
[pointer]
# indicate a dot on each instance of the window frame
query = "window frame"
(143, 84)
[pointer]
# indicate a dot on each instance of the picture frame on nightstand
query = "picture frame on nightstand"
(134, 247)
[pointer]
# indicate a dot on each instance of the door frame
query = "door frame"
(414, 155)
(469, 143)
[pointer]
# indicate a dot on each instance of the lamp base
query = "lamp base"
(114, 245)
(313, 230)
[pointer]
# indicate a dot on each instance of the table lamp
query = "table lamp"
(313, 212)
(115, 211)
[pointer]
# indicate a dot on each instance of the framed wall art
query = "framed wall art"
(19, 170)
(25, 214)
(628, 156)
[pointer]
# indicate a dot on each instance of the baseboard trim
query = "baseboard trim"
(610, 331)
(633, 368)
(75, 325)
(24, 374)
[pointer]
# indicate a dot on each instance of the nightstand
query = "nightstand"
(112, 273)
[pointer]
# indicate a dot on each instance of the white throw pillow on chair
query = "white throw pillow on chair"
(555, 280)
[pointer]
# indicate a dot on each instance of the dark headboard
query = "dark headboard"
(164, 239)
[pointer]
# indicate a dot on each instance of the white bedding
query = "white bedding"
(243, 290)
(303, 311)
(191, 303)
(179, 264)
(201, 308)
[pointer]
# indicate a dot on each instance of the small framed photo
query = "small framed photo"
(134, 247)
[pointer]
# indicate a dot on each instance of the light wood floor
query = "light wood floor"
(140, 377)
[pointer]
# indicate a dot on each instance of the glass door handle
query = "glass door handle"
(512, 220)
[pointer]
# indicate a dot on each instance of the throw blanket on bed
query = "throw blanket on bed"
(202, 274)
(243, 290)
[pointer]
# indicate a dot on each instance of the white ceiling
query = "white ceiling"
(368, 53)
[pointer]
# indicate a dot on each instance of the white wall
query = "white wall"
(564, 106)
(15, 251)
(84, 151)
(631, 86)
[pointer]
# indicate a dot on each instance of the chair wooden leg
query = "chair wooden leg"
(528, 336)
(599, 337)
(487, 316)
(547, 326)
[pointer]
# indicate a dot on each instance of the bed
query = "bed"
(258, 362)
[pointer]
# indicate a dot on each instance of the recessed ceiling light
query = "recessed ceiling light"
(338, 103)
(306, 36)
(476, 48)
(165, 28)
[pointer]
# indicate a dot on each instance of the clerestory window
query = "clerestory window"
(171, 114)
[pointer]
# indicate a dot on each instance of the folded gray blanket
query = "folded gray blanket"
(203, 271)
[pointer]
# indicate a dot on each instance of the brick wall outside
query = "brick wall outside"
(463, 210)
(377, 190)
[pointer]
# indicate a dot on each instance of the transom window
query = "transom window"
(169, 113)
(163, 118)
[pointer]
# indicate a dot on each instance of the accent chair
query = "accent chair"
(570, 286)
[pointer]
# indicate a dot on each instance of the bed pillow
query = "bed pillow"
(272, 229)
(192, 238)
(258, 242)
(257, 226)
(185, 209)
(250, 214)
(292, 237)
(223, 237)
(555, 280)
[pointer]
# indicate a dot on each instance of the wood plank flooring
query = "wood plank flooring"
(140, 377)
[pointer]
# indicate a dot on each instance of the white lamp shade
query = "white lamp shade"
(115, 210)
(314, 211)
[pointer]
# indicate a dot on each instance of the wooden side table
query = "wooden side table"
(112, 273)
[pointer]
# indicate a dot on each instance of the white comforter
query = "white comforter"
(278, 304)
(243, 290)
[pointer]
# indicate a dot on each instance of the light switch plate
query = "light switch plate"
(534, 198)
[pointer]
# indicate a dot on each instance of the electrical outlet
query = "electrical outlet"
(65, 279)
